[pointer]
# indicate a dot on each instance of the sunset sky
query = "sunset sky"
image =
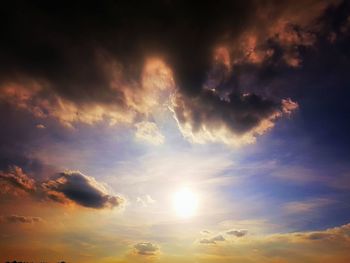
(175, 131)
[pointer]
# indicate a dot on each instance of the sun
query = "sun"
(185, 203)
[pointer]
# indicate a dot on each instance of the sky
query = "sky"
(174, 131)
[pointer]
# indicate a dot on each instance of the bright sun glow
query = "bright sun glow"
(185, 203)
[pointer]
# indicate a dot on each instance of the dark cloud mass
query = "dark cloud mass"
(66, 187)
(57, 42)
(79, 62)
(208, 117)
(85, 62)
(82, 189)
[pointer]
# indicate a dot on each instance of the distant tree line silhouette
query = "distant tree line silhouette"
(32, 262)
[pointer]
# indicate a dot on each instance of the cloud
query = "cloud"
(66, 187)
(306, 206)
(146, 249)
(334, 235)
(213, 240)
(205, 232)
(280, 31)
(236, 120)
(81, 189)
(16, 177)
(20, 219)
(220, 237)
(329, 245)
(237, 232)
(149, 132)
(76, 74)
(40, 126)
(145, 200)
(41, 102)
(126, 101)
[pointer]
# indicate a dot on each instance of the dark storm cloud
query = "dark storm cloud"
(233, 120)
(240, 113)
(20, 219)
(83, 62)
(58, 42)
(67, 187)
(146, 249)
(81, 189)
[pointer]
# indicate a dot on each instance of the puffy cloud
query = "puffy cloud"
(234, 120)
(81, 189)
(21, 219)
(146, 249)
(66, 187)
(237, 232)
(220, 237)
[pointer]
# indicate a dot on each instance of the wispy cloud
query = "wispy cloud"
(314, 246)
(307, 206)
(149, 132)
(20, 219)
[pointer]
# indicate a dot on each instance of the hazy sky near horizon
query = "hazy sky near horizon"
(170, 131)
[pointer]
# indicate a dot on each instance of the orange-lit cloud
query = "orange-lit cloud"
(128, 99)
(66, 188)
(43, 103)
(287, 26)
(330, 245)
(16, 178)
(81, 189)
